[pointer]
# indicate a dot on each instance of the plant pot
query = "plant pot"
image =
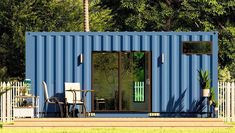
(206, 92)
(216, 109)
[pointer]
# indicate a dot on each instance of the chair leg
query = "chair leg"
(80, 111)
(46, 110)
(84, 110)
(73, 110)
(44, 113)
(61, 110)
(56, 115)
(66, 110)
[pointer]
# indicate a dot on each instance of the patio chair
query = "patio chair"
(53, 100)
(73, 96)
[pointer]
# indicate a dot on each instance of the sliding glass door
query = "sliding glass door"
(133, 87)
(121, 81)
(105, 80)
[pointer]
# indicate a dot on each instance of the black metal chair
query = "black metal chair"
(53, 100)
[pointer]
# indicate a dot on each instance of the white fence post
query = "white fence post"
(232, 101)
(8, 104)
(4, 104)
(223, 100)
(219, 98)
(226, 102)
(7, 100)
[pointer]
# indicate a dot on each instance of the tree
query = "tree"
(180, 15)
(86, 15)
(3, 73)
(17, 17)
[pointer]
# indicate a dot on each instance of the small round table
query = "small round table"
(84, 92)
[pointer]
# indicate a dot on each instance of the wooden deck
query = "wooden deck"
(118, 122)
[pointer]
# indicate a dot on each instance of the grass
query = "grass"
(120, 130)
(1, 125)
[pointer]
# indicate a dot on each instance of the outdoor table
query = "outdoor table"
(84, 92)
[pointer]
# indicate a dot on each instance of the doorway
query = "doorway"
(122, 81)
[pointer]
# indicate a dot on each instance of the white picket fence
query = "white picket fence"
(226, 95)
(7, 99)
(226, 102)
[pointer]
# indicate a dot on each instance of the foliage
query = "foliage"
(180, 15)
(224, 74)
(232, 70)
(149, 15)
(213, 97)
(3, 72)
(204, 79)
(216, 103)
(212, 94)
(4, 89)
(17, 17)
(23, 90)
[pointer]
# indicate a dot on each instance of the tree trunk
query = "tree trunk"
(86, 15)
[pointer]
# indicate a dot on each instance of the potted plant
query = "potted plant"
(23, 91)
(213, 101)
(27, 85)
(212, 95)
(204, 83)
(216, 105)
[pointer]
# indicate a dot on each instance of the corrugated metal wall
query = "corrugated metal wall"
(53, 57)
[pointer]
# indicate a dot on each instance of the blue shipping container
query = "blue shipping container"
(169, 71)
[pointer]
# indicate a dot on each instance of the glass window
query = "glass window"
(134, 92)
(105, 78)
(121, 81)
(197, 47)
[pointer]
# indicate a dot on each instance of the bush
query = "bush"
(224, 74)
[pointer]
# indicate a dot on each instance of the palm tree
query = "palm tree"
(86, 15)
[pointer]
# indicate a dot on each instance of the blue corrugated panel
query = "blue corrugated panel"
(155, 75)
(53, 57)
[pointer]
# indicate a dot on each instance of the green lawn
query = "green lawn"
(120, 130)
